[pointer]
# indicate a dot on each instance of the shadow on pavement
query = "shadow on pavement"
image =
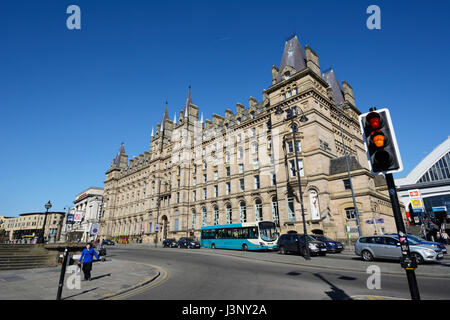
(336, 293)
(85, 291)
(99, 277)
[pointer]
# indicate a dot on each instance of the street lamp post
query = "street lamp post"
(303, 119)
(48, 205)
(344, 106)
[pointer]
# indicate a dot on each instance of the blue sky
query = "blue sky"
(68, 98)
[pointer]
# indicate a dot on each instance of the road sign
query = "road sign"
(417, 210)
(415, 193)
(156, 227)
(369, 221)
(439, 209)
(417, 203)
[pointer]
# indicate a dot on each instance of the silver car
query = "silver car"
(388, 247)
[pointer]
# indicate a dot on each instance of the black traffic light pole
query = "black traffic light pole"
(65, 261)
(406, 262)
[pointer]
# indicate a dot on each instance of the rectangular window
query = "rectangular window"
(216, 191)
(176, 225)
(291, 212)
(194, 196)
(194, 181)
(242, 184)
(178, 183)
(255, 164)
(273, 179)
(228, 188)
(204, 178)
(178, 197)
(298, 146)
(216, 175)
(241, 168)
(290, 147)
(347, 184)
(228, 171)
(257, 185)
(204, 194)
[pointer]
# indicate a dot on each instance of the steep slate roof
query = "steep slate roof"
(293, 56)
(332, 81)
(339, 165)
(117, 158)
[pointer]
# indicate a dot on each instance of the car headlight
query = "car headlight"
(192, 243)
(313, 246)
(429, 251)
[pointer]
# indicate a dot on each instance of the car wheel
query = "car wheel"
(418, 257)
(367, 255)
(213, 246)
(244, 247)
(282, 250)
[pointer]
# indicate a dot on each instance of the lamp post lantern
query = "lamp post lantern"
(303, 118)
(48, 205)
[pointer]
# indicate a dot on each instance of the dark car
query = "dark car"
(188, 243)
(170, 243)
(293, 242)
(108, 242)
(332, 245)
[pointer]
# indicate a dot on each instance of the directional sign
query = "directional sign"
(156, 227)
(439, 209)
(417, 203)
(414, 193)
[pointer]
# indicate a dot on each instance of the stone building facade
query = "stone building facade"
(241, 166)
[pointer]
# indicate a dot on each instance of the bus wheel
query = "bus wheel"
(244, 247)
(213, 246)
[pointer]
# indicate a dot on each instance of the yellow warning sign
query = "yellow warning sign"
(417, 203)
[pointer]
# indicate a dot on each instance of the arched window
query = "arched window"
(242, 211)
(204, 217)
(275, 214)
(229, 214)
(314, 205)
(216, 215)
(258, 210)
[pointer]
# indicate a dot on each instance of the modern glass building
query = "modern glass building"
(432, 177)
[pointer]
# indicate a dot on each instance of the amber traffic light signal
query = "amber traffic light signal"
(380, 142)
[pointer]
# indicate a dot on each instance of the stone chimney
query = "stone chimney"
(348, 93)
(274, 74)
(252, 102)
(228, 114)
(312, 60)
(217, 120)
(239, 107)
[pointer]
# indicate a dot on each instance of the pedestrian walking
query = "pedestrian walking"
(87, 256)
(445, 237)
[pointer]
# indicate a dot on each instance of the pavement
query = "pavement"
(110, 278)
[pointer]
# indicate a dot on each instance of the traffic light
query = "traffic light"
(379, 140)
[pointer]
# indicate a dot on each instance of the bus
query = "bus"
(241, 236)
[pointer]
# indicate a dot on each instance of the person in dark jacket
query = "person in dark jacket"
(87, 256)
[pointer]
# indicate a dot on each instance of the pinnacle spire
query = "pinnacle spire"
(175, 118)
(293, 56)
(188, 103)
(152, 132)
(163, 121)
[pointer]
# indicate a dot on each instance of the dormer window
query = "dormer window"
(287, 75)
(283, 96)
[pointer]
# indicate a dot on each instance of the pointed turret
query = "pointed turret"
(332, 81)
(163, 121)
(116, 161)
(293, 56)
(187, 104)
(175, 118)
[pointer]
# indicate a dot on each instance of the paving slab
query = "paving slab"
(109, 278)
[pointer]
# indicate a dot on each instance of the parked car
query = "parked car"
(332, 245)
(108, 242)
(188, 243)
(388, 247)
(293, 242)
(170, 243)
(423, 241)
